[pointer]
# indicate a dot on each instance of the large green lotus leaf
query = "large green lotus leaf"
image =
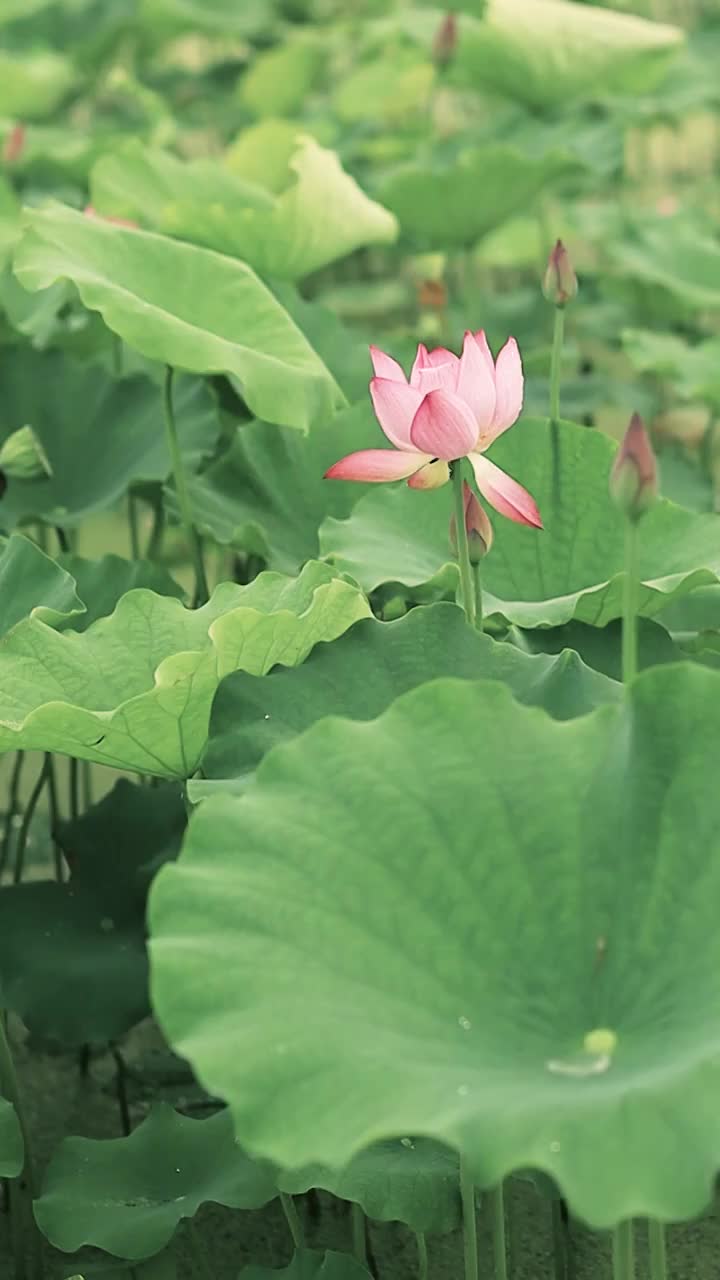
(100, 434)
(11, 1143)
(675, 255)
(553, 51)
(135, 690)
(218, 17)
(280, 79)
(321, 216)
(73, 962)
(127, 1195)
(571, 569)
(183, 305)
(457, 204)
(467, 889)
(360, 674)
(262, 153)
(309, 1264)
(32, 84)
(34, 585)
(412, 1180)
(267, 493)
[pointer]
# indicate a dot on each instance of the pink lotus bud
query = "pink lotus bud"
(445, 41)
(14, 144)
(479, 528)
(560, 282)
(634, 477)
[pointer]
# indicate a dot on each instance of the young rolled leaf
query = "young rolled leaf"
(181, 305)
(489, 964)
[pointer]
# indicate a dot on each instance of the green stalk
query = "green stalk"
(157, 532)
(181, 489)
(560, 1241)
(496, 1200)
(463, 554)
(623, 1252)
(27, 819)
(134, 526)
(556, 363)
(630, 602)
(467, 1196)
(422, 1255)
(555, 373)
(12, 809)
(74, 788)
(359, 1234)
(117, 355)
(478, 597)
(24, 1191)
(658, 1259)
(54, 814)
(293, 1220)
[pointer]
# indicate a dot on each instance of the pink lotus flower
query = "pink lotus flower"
(452, 407)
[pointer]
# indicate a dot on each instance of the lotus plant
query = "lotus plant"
(451, 408)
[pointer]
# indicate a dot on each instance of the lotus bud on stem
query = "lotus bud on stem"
(634, 489)
(445, 40)
(479, 532)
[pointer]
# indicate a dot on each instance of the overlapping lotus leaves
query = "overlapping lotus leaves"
(73, 963)
(412, 1180)
(573, 568)
(322, 214)
(487, 963)
(11, 1143)
(99, 434)
(361, 673)
(127, 1195)
(134, 690)
(181, 305)
(33, 584)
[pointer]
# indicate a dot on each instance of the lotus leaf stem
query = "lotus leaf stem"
(359, 1234)
(133, 526)
(181, 489)
(422, 1255)
(293, 1220)
(26, 820)
(623, 1252)
(630, 602)
(12, 809)
(467, 1196)
(496, 1200)
(24, 1190)
(658, 1259)
(54, 814)
(560, 1241)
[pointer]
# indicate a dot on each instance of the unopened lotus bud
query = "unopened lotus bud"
(477, 526)
(560, 282)
(445, 41)
(14, 144)
(22, 457)
(634, 477)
